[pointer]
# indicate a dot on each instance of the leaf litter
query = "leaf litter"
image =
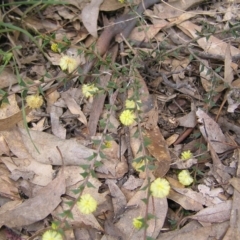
(184, 56)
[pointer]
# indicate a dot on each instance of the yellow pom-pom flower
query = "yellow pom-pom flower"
(160, 188)
(185, 178)
(89, 90)
(186, 155)
(127, 117)
(54, 47)
(52, 235)
(87, 204)
(107, 144)
(138, 222)
(68, 63)
(34, 101)
(130, 104)
(138, 165)
(121, 1)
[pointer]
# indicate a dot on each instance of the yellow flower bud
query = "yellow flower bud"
(52, 235)
(185, 178)
(138, 165)
(138, 222)
(54, 47)
(89, 90)
(68, 63)
(130, 104)
(186, 155)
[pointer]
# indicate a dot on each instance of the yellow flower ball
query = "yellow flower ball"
(138, 165)
(108, 144)
(186, 155)
(89, 90)
(54, 47)
(68, 63)
(138, 222)
(121, 1)
(127, 117)
(52, 235)
(130, 104)
(87, 204)
(34, 101)
(160, 188)
(185, 178)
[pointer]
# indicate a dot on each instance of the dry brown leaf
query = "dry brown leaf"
(112, 166)
(228, 71)
(118, 199)
(8, 188)
(157, 206)
(7, 78)
(158, 149)
(33, 23)
(10, 114)
(78, 217)
(73, 152)
(4, 149)
(133, 183)
(29, 169)
(193, 228)
(171, 9)
(111, 5)
(189, 120)
(185, 202)
(40, 125)
(57, 128)
(235, 182)
(194, 196)
(35, 209)
(180, 164)
(217, 213)
(212, 132)
(10, 108)
(212, 45)
(146, 33)
(72, 175)
(217, 169)
(90, 16)
(233, 99)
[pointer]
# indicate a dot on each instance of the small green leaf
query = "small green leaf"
(89, 185)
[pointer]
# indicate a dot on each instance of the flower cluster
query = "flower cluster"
(52, 235)
(68, 63)
(138, 222)
(107, 144)
(185, 178)
(186, 155)
(87, 204)
(89, 90)
(34, 101)
(130, 104)
(127, 117)
(160, 188)
(138, 165)
(54, 47)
